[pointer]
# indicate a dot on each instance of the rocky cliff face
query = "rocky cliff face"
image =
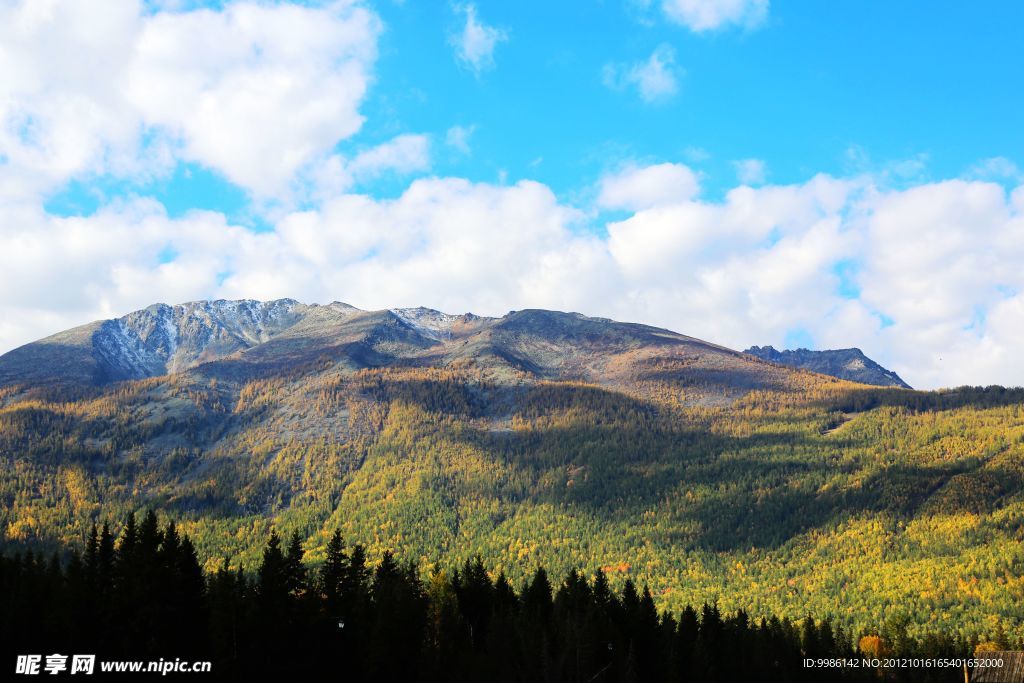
(849, 364)
(154, 341)
(164, 339)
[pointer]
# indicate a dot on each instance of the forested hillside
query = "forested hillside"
(546, 439)
(143, 597)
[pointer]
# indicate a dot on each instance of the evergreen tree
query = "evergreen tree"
(403, 630)
(295, 570)
(332, 576)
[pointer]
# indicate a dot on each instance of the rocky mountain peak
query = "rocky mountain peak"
(240, 339)
(849, 364)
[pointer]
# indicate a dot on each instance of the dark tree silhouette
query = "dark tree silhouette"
(144, 596)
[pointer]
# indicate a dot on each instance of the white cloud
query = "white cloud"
(655, 79)
(404, 154)
(63, 270)
(255, 91)
(706, 15)
(683, 241)
(475, 43)
(634, 188)
(458, 137)
(750, 171)
(61, 111)
(942, 266)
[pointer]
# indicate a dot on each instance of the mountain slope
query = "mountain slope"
(850, 364)
(537, 437)
(157, 340)
(247, 339)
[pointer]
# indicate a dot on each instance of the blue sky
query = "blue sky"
(815, 88)
(793, 173)
(800, 91)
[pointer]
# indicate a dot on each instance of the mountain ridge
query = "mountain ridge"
(259, 337)
(850, 364)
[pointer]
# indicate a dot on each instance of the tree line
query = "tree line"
(144, 596)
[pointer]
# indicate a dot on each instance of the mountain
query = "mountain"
(248, 339)
(849, 364)
(537, 437)
(154, 341)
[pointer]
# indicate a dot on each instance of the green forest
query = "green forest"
(144, 596)
(855, 505)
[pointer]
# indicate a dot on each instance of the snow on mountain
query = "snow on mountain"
(428, 322)
(162, 338)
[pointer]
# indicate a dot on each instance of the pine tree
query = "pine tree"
(295, 570)
(474, 590)
(272, 573)
(105, 563)
(332, 576)
(192, 587)
(536, 597)
(92, 561)
(150, 537)
(355, 584)
(809, 638)
(274, 608)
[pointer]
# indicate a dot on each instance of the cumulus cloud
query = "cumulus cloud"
(60, 114)
(475, 43)
(655, 79)
(255, 91)
(57, 271)
(706, 15)
(634, 188)
(942, 262)
(404, 154)
(447, 242)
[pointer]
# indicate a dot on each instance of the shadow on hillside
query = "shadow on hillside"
(731, 382)
(863, 399)
(746, 491)
(609, 455)
(614, 457)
